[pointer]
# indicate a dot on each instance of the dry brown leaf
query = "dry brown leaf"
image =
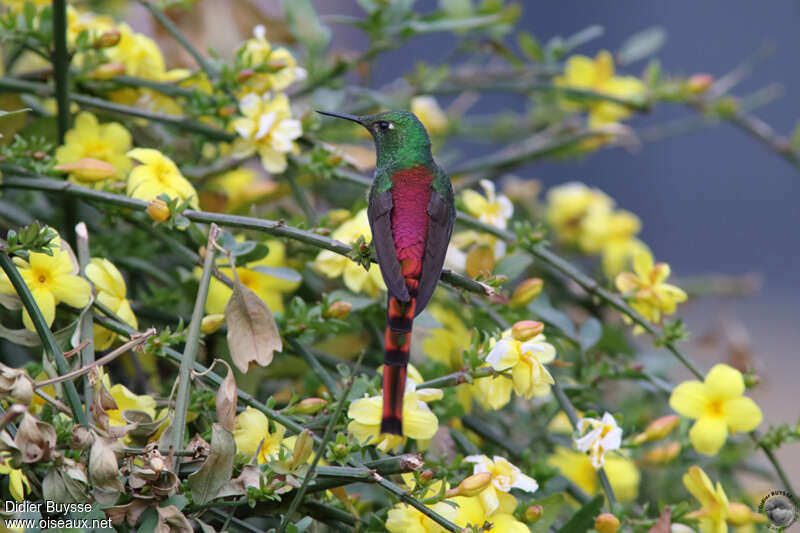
(35, 440)
(171, 520)
(216, 471)
(663, 524)
(253, 336)
(227, 400)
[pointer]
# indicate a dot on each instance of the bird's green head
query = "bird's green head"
(400, 138)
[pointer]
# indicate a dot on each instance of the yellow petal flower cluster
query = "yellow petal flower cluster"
(252, 434)
(505, 476)
(585, 217)
(581, 72)
(267, 128)
(52, 279)
(577, 467)
(112, 292)
(419, 422)
(529, 377)
(125, 400)
(88, 139)
(603, 436)
(716, 512)
(718, 406)
(269, 288)
(646, 290)
(235, 190)
(18, 483)
(158, 175)
(446, 345)
(334, 265)
(427, 110)
(279, 65)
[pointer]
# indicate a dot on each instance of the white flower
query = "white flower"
(494, 209)
(266, 128)
(505, 476)
(603, 436)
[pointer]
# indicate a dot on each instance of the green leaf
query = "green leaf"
(306, 26)
(216, 471)
(583, 520)
(591, 331)
(284, 273)
(530, 46)
(253, 336)
(512, 266)
(16, 112)
(551, 506)
(552, 316)
(642, 45)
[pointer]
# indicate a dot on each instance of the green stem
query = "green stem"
(42, 89)
(326, 437)
(159, 15)
(86, 324)
(190, 350)
(457, 378)
(43, 330)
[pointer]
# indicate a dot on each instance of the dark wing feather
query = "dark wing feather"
(441, 213)
(380, 221)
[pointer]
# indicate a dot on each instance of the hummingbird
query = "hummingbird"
(411, 212)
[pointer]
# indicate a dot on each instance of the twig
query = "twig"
(86, 325)
(190, 350)
(43, 330)
(322, 446)
(457, 378)
(137, 340)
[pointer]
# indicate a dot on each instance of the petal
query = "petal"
(643, 264)
(366, 410)
(526, 483)
(272, 160)
(475, 202)
(661, 272)
(419, 423)
(689, 399)
(697, 483)
(742, 414)
(251, 428)
(504, 354)
(584, 443)
(708, 434)
(494, 392)
(612, 440)
(627, 282)
(46, 304)
(506, 523)
(354, 277)
(489, 499)
(544, 352)
(724, 381)
(265, 123)
(72, 290)
(146, 156)
(523, 382)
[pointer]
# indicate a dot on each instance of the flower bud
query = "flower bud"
(658, 429)
(472, 485)
(533, 513)
(303, 447)
(426, 475)
(226, 111)
(698, 83)
(88, 169)
(334, 160)
(211, 323)
(158, 210)
(480, 260)
(244, 75)
(339, 310)
(526, 329)
(277, 63)
(106, 71)
(526, 292)
(606, 523)
(309, 406)
(740, 514)
(15, 385)
(108, 39)
(663, 454)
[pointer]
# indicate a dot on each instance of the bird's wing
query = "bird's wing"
(380, 221)
(441, 213)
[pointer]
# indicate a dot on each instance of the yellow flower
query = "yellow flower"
(139, 53)
(526, 360)
(334, 265)
(128, 400)
(18, 482)
(718, 406)
(269, 288)
(581, 72)
(78, 21)
(16, 6)
(419, 422)
(446, 345)
(505, 477)
(601, 227)
(568, 204)
(649, 295)
(158, 175)
(491, 208)
(251, 431)
(108, 142)
(282, 69)
(241, 188)
(619, 254)
(427, 110)
(603, 435)
(266, 128)
(51, 279)
(111, 291)
(713, 512)
(406, 519)
(577, 467)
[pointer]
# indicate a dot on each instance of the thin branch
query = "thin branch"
(46, 336)
(86, 324)
(315, 365)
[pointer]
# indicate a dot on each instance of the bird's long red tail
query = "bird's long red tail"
(397, 341)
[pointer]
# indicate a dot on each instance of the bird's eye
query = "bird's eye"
(384, 125)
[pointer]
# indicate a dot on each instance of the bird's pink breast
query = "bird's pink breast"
(411, 191)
